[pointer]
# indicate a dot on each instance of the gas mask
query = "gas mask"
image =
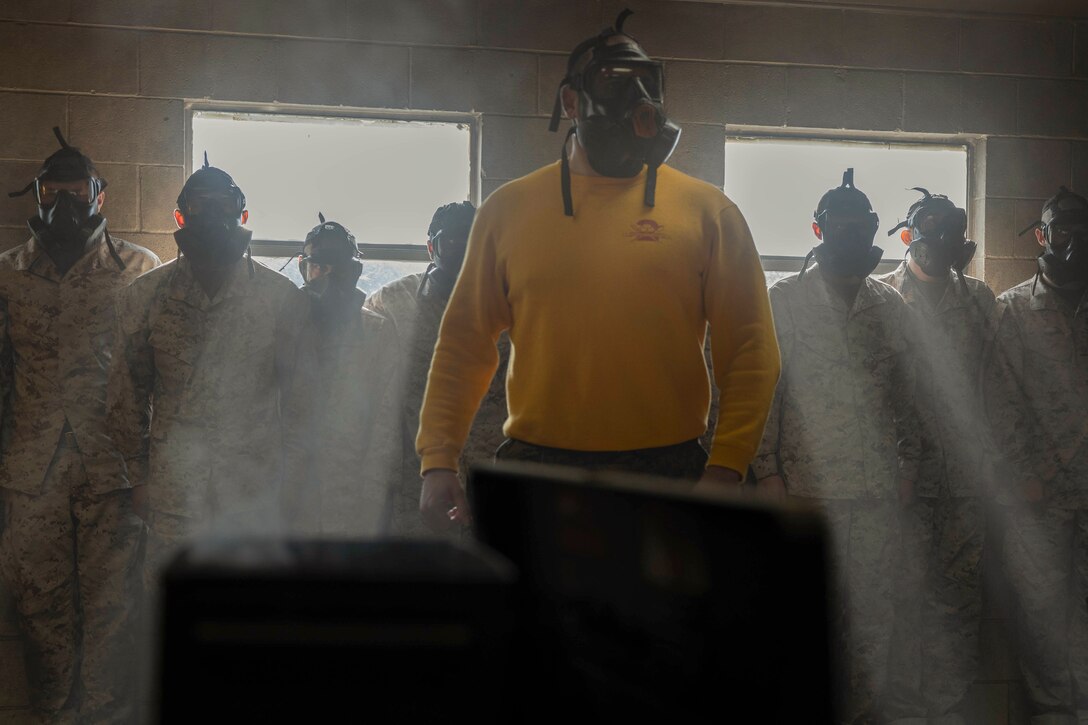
(68, 222)
(209, 214)
(621, 121)
(1064, 223)
(847, 225)
(330, 245)
(447, 241)
(936, 232)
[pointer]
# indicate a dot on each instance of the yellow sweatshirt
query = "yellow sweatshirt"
(607, 313)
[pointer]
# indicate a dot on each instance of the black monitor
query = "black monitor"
(642, 599)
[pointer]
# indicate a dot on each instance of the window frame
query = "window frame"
(969, 142)
(383, 252)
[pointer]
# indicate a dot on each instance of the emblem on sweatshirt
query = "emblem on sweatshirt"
(647, 230)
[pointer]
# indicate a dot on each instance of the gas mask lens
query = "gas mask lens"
(213, 205)
(616, 82)
(49, 190)
(845, 225)
(1062, 234)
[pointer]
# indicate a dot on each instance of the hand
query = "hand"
(442, 502)
(141, 506)
(906, 492)
(718, 478)
(772, 487)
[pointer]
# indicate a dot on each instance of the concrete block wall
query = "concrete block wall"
(116, 75)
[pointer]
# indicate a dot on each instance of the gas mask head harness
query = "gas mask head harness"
(447, 239)
(1064, 223)
(621, 120)
(210, 213)
(846, 225)
(68, 221)
(936, 231)
(330, 244)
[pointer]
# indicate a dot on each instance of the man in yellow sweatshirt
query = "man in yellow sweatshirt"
(606, 269)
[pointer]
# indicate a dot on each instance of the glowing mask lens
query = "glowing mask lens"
(48, 191)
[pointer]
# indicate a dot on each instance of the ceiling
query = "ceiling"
(1061, 8)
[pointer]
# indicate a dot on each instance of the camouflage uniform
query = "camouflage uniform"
(201, 399)
(416, 319)
(935, 650)
(1036, 393)
(71, 540)
(842, 433)
(354, 457)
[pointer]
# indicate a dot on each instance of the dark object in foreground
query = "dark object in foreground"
(274, 631)
(645, 602)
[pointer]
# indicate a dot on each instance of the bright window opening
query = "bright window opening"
(777, 184)
(381, 178)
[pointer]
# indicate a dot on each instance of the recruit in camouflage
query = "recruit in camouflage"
(354, 452)
(416, 319)
(842, 432)
(939, 597)
(1036, 395)
(202, 397)
(71, 540)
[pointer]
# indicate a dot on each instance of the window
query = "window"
(382, 178)
(777, 183)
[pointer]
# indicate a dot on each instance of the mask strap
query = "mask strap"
(564, 175)
(804, 265)
(113, 250)
(423, 280)
(24, 191)
(651, 185)
(249, 261)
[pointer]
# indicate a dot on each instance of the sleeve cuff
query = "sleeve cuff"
(439, 458)
(730, 458)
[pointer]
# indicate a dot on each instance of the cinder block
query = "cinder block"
(816, 97)
(539, 24)
(9, 625)
(784, 34)
(1080, 167)
(159, 187)
(1053, 108)
(669, 29)
(1027, 168)
(14, 175)
(66, 58)
(988, 703)
(188, 15)
(202, 66)
(1003, 274)
(989, 104)
(932, 102)
(483, 80)
(162, 245)
(26, 122)
(34, 10)
(997, 660)
(1005, 219)
(513, 146)
(874, 100)
(329, 73)
(551, 70)
(756, 95)
(488, 186)
(13, 686)
(310, 18)
(122, 206)
(1021, 46)
(701, 153)
(432, 22)
(696, 92)
(132, 130)
(894, 40)
(1080, 63)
